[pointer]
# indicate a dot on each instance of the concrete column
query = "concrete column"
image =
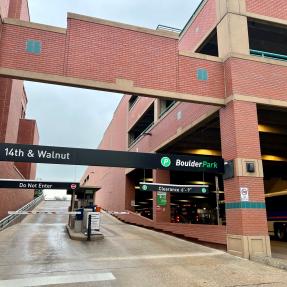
(160, 213)
(247, 231)
(130, 193)
(156, 109)
(232, 30)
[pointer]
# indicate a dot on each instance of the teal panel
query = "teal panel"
(245, 204)
(202, 74)
(33, 47)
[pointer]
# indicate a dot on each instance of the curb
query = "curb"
(82, 237)
(274, 262)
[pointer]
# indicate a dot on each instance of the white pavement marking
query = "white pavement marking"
(53, 280)
(160, 256)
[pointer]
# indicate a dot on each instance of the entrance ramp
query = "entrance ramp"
(198, 232)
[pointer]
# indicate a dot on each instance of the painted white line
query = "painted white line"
(50, 280)
(44, 212)
(161, 256)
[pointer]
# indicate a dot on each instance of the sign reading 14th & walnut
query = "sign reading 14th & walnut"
(76, 156)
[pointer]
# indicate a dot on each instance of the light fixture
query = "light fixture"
(198, 196)
(273, 158)
(278, 193)
(199, 182)
(148, 179)
(205, 152)
(137, 187)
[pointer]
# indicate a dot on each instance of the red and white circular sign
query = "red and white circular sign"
(73, 186)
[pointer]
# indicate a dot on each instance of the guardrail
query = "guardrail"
(268, 55)
(7, 221)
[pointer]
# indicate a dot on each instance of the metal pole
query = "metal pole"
(89, 228)
(72, 207)
(217, 198)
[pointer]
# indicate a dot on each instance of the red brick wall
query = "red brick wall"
(272, 8)
(4, 8)
(104, 53)
(239, 131)
(250, 222)
(15, 110)
(201, 25)
(5, 96)
(188, 83)
(11, 100)
(112, 180)
(12, 199)
(13, 52)
(257, 79)
(207, 233)
(138, 110)
(27, 134)
(24, 14)
(101, 53)
(169, 126)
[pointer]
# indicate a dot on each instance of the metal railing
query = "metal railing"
(7, 221)
(269, 55)
(167, 28)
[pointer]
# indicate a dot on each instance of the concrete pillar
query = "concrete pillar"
(156, 109)
(160, 213)
(130, 193)
(247, 231)
(232, 30)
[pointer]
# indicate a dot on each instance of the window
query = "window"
(165, 105)
(132, 101)
(33, 47)
(202, 74)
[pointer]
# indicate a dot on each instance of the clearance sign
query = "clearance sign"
(96, 157)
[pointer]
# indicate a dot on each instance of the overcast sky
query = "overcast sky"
(76, 117)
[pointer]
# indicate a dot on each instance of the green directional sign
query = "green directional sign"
(174, 188)
(161, 199)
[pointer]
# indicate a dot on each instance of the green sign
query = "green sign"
(165, 161)
(174, 188)
(161, 199)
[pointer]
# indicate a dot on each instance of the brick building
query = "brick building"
(219, 88)
(14, 127)
(242, 42)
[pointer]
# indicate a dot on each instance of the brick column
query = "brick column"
(247, 232)
(15, 8)
(160, 213)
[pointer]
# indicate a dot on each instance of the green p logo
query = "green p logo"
(165, 161)
(144, 187)
(203, 190)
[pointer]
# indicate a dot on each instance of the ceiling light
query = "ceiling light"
(199, 182)
(273, 158)
(205, 152)
(148, 179)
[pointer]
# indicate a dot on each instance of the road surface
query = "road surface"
(38, 252)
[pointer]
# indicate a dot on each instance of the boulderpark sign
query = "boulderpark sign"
(96, 157)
